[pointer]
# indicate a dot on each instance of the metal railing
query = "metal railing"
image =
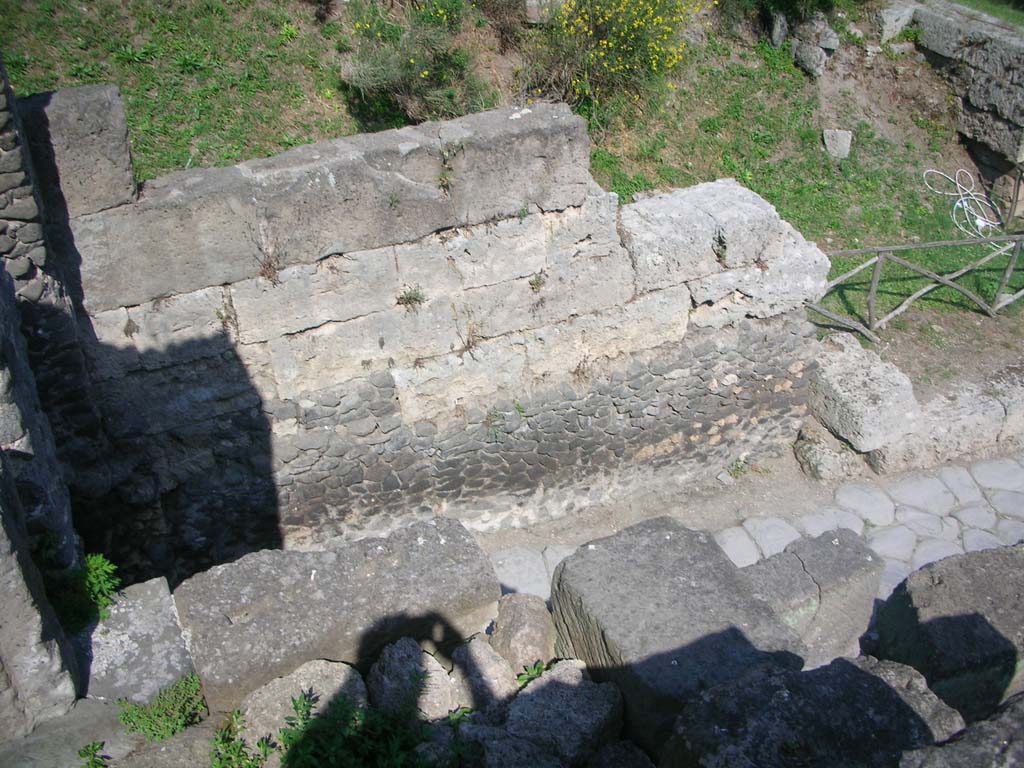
(883, 255)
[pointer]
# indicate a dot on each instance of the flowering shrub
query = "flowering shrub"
(593, 49)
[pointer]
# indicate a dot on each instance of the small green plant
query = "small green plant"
(523, 213)
(392, 201)
(411, 297)
(229, 749)
(529, 674)
(90, 753)
(289, 32)
(460, 715)
(174, 709)
(494, 423)
(537, 282)
(520, 408)
(83, 596)
(738, 469)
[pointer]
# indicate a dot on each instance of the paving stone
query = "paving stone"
(975, 540)
(1009, 503)
(950, 528)
(894, 572)
(850, 521)
(818, 522)
(521, 569)
(960, 482)
(999, 474)
(976, 516)
(921, 523)
(739, 546)
(867, 502)
(895, 543)
(933, 550)
(554, 554)
(1010, 531)
(771, 533)
(925, 493)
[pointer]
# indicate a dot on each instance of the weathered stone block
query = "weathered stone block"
(37, 666)
(189, 230)
(566, 713)
(267, 613)
(960, 622)
(867, 711)
(406, 676)
(78, 138)
(138, 650)
(868, 403)
(979, 744)
(660, 610)
(266, 709)
(523, 632)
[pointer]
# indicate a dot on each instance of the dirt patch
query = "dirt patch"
(941, 350)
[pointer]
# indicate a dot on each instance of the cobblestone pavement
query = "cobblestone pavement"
(909, 521)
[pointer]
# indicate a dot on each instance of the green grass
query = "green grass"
(751, 115)
(173, 710)
(1012, 12)
(205, 82)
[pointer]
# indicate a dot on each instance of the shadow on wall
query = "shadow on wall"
(762, 712)
(171, 456)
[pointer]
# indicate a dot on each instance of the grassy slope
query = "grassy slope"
(205, 82)
(752, 116)
(1001, 9)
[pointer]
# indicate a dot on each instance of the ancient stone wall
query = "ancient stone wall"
(25, 435)
(447, 319)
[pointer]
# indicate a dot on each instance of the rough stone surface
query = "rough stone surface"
(508, 752)
(867, 711)
(997, 741)
(37, 665)
(927, 493)
(865, 401)
(738, 545)
(933, 550)
(895, 543)
(837, 143)
(566, 713)
(265, 710)
(78, 138)
(894, 18)
(771, 534)
(824, 457)
(523, 632)
(810, 57)
(55, 743)
(186, 749)
(483, 680)
(658, 608)
(959, 622)
(138, 650)
(269, 612)
(999, 475)
(407, 675)
(869, 503)
(521, 569)
(621, 754)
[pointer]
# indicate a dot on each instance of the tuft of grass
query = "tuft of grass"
(411, 297)
(174, 709)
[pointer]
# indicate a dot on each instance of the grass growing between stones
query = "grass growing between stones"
(752, 115)
(173, 710)
(1012, 12)
(205, 82)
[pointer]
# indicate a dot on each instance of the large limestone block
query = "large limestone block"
(863, 400)
(1000, 738)
(305, 296)
(189, 230)
(960, 622)
(78, 138)
(764, 289)
(661, 611)
(136, 651)
(857, 713)
(695, 232)
(824, 588)
(262, 616)
(37, 666)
